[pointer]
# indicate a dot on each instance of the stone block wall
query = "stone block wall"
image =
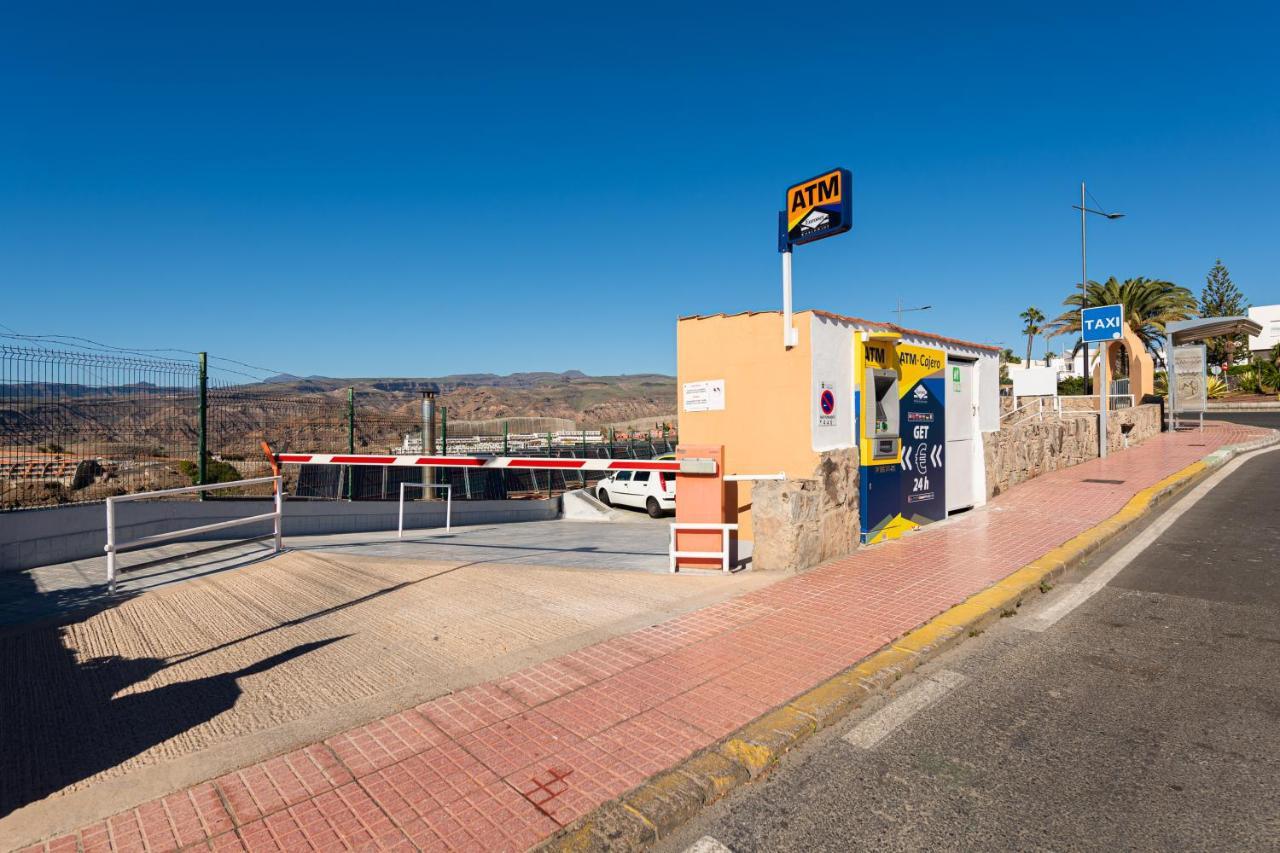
(800, 523)
(1028, 449)
(1143, 422)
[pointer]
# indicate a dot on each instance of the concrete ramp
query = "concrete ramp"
(581, 505)
(181, 684)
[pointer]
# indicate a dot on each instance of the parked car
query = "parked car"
(653, 491)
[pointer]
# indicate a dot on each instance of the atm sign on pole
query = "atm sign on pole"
(819, 207)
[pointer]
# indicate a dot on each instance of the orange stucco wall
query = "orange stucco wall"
(1142, 367)
(765, 425)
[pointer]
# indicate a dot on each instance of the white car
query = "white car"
(654, 491)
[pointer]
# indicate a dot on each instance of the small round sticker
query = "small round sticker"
(827, 401)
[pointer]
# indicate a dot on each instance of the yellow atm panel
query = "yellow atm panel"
(901, 438)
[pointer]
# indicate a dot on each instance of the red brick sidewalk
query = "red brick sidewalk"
(502, 765)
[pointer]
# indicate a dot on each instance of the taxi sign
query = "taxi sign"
(819, 207)
(1102, 323)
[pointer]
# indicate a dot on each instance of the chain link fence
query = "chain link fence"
(81, 426)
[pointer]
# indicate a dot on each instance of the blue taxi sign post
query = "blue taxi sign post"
(1102, 325)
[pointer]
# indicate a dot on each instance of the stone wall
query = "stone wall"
(1028, 449)
(801, 523)
(1142, 422)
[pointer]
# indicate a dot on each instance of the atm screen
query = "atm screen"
(886, 410)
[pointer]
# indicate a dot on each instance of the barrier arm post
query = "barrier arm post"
(278, 488)
(700, 500)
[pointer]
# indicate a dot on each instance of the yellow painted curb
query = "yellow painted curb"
(662, 804)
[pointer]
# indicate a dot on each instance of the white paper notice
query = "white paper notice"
(705, 396)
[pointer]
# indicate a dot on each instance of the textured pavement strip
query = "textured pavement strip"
(881, 724)
(707, 844)
(500, 766)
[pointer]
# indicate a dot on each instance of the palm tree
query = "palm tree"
(1148, 305)
(1033, 318)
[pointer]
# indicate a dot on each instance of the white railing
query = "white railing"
(1041, 406)
(721, 555)
(448, 504)
(113, 547)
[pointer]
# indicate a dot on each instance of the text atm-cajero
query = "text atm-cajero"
(885, 439)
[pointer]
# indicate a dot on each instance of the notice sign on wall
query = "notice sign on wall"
(1188, 372)
(704, 396)
(826, 404)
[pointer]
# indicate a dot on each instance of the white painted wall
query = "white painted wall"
(1268, 316)
(1034, 381)
(832, 353)
(989, 393)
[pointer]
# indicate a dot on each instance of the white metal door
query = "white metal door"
(962, 411)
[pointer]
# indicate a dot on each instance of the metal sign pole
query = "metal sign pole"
(815, 209)
(1104, 351)
(788, 332)
(1103, 325)
(784, 248)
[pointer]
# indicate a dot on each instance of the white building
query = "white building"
(1063, 367)
(1267, 316)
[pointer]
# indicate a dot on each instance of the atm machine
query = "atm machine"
(901, 427)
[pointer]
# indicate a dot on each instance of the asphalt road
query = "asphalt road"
(1270, 420)
(1147, 717)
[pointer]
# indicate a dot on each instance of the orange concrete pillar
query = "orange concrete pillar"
(700, 498)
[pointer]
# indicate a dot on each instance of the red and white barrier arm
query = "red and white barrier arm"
(673, 466)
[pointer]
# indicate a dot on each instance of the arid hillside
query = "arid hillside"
(586, 400)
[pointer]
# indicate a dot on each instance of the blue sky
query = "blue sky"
(415, 189)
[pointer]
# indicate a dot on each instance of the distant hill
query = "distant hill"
(588, 400)
(152, 423)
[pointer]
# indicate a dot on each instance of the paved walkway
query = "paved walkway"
(502, 765)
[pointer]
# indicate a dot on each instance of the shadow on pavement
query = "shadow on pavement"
(61, 720)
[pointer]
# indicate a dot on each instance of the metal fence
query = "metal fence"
(83, 426)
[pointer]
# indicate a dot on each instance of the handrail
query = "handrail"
(113, 547)
(448, 504)
(1039, 400)
(207, 487)
(1059, 410)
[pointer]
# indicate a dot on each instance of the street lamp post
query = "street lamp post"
(1084, 268)
(901, 310)
(1103, 392)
